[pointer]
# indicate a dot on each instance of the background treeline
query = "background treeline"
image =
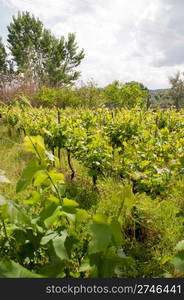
(41, 69)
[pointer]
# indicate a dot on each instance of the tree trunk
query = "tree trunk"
(70, 164)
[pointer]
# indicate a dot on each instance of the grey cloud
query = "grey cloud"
(83, 6)
(163, 36)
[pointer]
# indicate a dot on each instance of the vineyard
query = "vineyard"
(96, 193)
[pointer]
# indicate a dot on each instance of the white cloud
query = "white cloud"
(127, 40)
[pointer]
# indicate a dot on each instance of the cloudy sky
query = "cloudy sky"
(124, 40)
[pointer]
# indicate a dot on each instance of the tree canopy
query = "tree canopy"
(3, 57)
(39, 55)
(128, 95)
(176, 92)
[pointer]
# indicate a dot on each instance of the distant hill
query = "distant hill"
(157, 91)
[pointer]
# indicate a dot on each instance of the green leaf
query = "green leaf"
(100, 219)
(106, 263)
(102, 235)
(85, 266)
(109, 262)
(178, 261)
(53, 199)
(62, 189)
(40, 177)
(59, 245)
(116, 232)
(74, 274)
(56, 177)
(35, 144)
(70, 216)
(10, 269)
(69, 243)
(50, 220)
(50, 214)
(33, 198)
(55, 269)
(69, 206)
(69, 203)
(48, 237)
(27, 175)
(17, 214)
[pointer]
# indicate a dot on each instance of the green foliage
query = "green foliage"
(11, 269)
(38, 54)
(61, 98)
(46, 96)
(125, 222)
(89, 95)
(3, 58)
(128, 95)
(178, 259)
(53, 236)
(176, 92)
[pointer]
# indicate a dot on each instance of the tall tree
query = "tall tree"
(40, 55)
(176, 92)
(6, 71)
(3, 58)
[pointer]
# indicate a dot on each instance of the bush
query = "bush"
(128, 95)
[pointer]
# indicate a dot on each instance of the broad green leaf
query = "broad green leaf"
(100, 219)
(48, 237)
(33, 198)
(109, 263)
(10, 269)
(62, 189)
(106, 263)
(59, 245)
(74, 274)
(69, 203)
(70, 242)
(40, 177)
(53, 199)
(56, 177)
(69, 206)
(50, 220)
(17, 214)
(35, 144)
(27, 175)
(116, 232)
(54, 270)
(50, 214)
(178, 261)
(85, 266)
(69, 215)
(101, 238)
